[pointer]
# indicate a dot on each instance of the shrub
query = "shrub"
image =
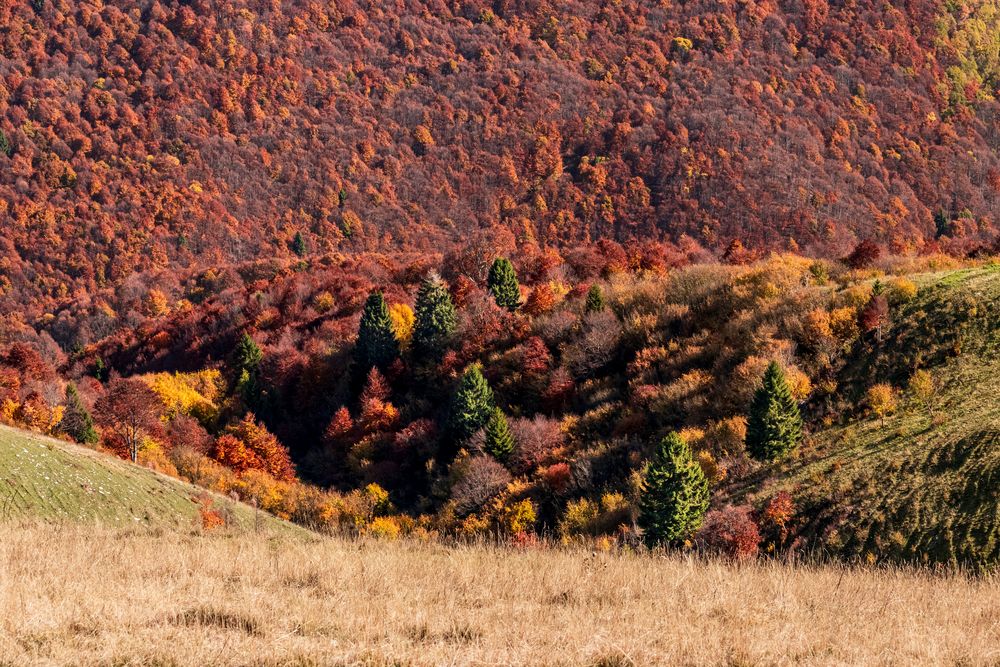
(209, 518)
(596, 347)
(775, 518)
(730, 532)
(727, 437)
(536, 440)
(475, 481)
(901, 290)
(384, 527)
(557, 477)
(517, 518)
(579, 518)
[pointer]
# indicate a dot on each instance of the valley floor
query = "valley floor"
(112, 596)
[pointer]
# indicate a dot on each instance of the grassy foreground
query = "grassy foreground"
(106, 596)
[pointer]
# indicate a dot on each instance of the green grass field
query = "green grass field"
(55, 481)
(925, 486)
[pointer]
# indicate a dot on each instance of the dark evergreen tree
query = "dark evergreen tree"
(499, 439)
(100, 370)
(5, 146)
(503, 285)
(246, 361)
(377, 345)
(675, 494)
(774, 426)
(76, 421)
(472, 405)
(299, 245)
(435, 319)
(595, 299)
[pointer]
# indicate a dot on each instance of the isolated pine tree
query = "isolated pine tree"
(5, 146)
(675, 494)
(76, 420)
(377, 345)
(473, 404)
(435, 319)
(246, 360)
(774, 426)
(595, 299)
(499, 439)
(503, 285)
(299, 245)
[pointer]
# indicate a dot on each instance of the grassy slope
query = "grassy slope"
(53, 480)
(926, 485)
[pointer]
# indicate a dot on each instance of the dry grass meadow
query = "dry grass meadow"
(72, 595)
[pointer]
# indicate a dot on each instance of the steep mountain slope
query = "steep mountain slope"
(48, 479)
(924, 486)
(138, 135)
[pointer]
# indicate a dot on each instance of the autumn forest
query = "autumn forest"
(518, 270)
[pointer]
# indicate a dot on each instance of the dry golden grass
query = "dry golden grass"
(87, 596)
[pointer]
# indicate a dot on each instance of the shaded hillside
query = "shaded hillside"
(46, 479)
(139, 135)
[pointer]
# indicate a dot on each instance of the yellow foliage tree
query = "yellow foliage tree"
(402, 323)
(881, 399)
(194, 394)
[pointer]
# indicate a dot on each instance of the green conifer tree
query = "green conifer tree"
(675, 494)
(774, 426)
(299, 245)
(5, 146)
(595, 299)
(503, 285)
(246, 370)
(499, 439)
(472, 405)
(435, 319)
(76, 421)
(377, 345)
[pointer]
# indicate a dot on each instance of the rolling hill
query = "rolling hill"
(46, 479)
(925, 485)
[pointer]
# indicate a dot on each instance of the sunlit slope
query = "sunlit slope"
(924, 486)
(48, 479)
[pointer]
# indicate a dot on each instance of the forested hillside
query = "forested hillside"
(518, 269)
(136, 136)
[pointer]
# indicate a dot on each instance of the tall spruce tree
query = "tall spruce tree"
(674, 496)
(5, 146)
(377, 345)
(76, 421)
(435, 319)
(503, 285)
(499, 439)
(472, 405)
(774, 426)
(595, 299)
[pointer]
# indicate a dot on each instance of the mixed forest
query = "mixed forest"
(590, 270)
